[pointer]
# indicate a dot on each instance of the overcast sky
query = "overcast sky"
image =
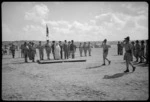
(79, 21)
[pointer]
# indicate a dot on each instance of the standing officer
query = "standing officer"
(85, 48)
(53, 48)
(48, 49)
(12, 48)
(72, 49)
(25, 50)
(61, 49)
(89, 48)
(80, 49)
(65, 48)
(41, 48)
(137, 50)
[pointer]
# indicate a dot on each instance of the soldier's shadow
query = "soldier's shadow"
(117, 75)
(94, 67)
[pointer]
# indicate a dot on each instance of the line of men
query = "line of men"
(140, 51)
(57, 49)
(85, 47)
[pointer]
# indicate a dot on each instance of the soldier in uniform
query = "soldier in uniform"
(133, 49)
(61, 49)
(41, 53)
(12, 48)
(119, 45)
(25, 51)
(137, 50)
(72, 49)
(89, 48)
(33, 52)
(22, 53)
(80, 49)
(69, 49)
(128, 55)
(142, 52)
(53, 48)
(85, 48)
(147, 53)
(105, 51)
(65, 48)
(48, 49)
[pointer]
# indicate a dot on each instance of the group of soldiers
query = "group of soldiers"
(59, 50)
(85, 47)
(137, 50)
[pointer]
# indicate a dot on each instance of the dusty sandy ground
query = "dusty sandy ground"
(74, 80)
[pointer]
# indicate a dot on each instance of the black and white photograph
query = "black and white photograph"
(75, 51)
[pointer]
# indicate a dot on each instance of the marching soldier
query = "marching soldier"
(128, 55)
(119, 45)
(41, 48)
(48, 49)
(89, 48)
(105, 51)
(80, 49)
(12, 48)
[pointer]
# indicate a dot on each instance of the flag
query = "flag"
(47, 32)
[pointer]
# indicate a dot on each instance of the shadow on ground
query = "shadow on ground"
(117, 75)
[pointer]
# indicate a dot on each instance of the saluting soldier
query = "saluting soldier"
(128, 55)
(80, 49)
(48, 49)
(89, 48)
(12, 48)
(41, 48)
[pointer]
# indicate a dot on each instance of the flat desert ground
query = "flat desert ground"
(74, 80)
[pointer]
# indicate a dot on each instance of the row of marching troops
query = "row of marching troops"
(139, 50)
